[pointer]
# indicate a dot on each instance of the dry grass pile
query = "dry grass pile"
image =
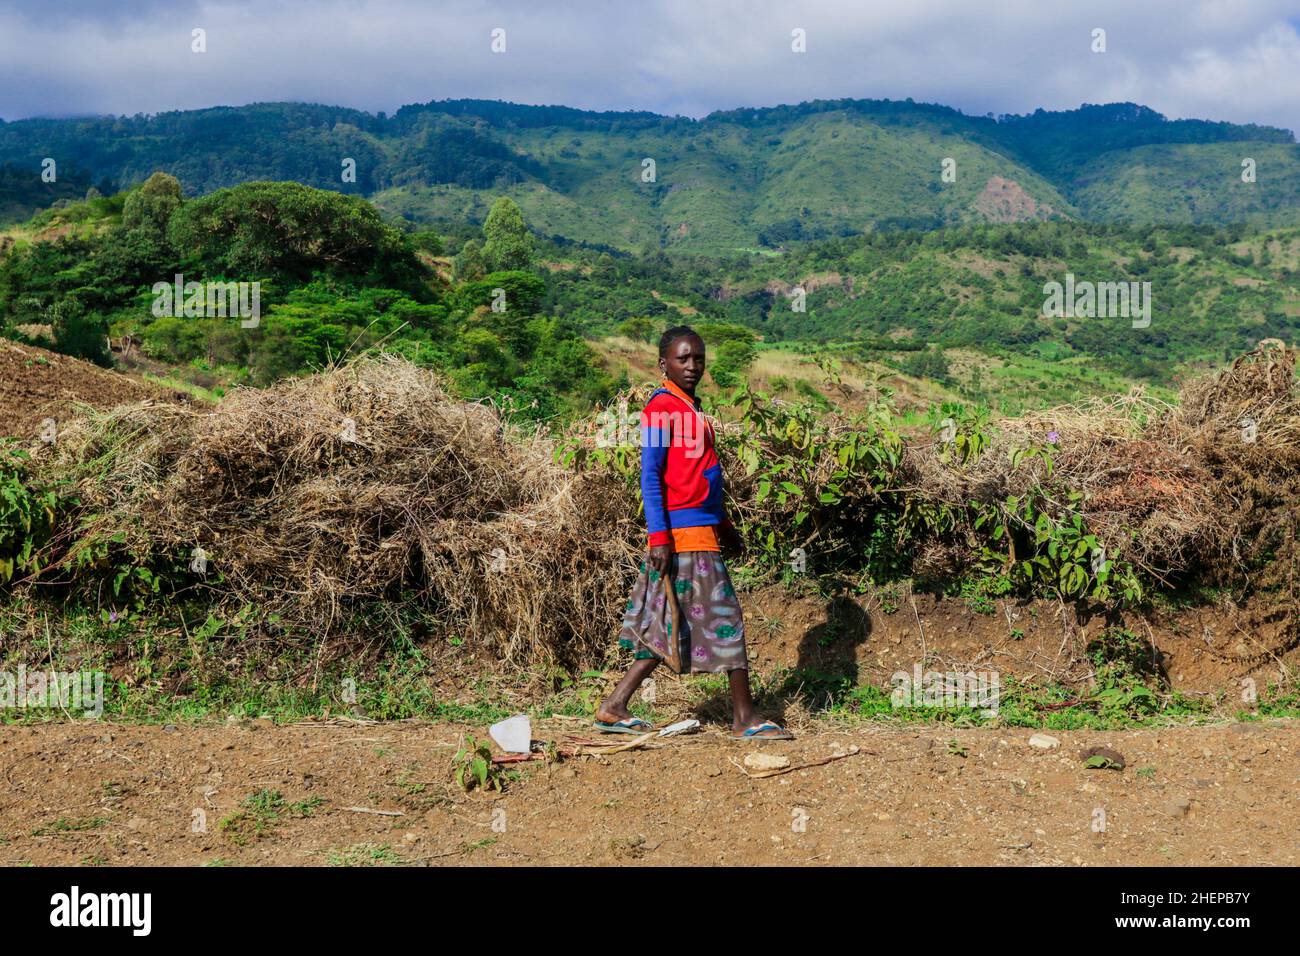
(367, 481)
(1143, 488)
(1244, 424)
(1208, 486)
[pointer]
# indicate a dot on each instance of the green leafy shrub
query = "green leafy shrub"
(809, 481)
(27, 516)
(282, 228)
(1124, 667)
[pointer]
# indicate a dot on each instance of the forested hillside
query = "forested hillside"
(961, 307)
(1214, 292)
(333, 280)
(735, 180)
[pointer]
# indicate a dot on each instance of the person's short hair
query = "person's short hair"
(672, 335)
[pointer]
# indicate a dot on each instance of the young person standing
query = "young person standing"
(681, 485)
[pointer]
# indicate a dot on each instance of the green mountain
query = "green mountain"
(965, 307)
(735, 180)
(1213, 292)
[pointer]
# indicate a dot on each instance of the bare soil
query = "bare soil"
(1005, 200)
(1197, 650)
(129, 795)
(36, 384)
(359, 792)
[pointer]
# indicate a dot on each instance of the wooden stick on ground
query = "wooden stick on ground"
(583, 750)
(777, 771)
(619, 748)
(381, 813)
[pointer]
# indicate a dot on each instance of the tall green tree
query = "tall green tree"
(638, 329)
(468, 266)
(151, 206)
(507, 242)
(78, 332)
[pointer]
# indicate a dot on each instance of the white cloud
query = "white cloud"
(1261, 76)
(1237, 61)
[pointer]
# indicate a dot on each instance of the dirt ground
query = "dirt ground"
(128, 795)
(36, 384)
(1206, 650)
(1225, 794)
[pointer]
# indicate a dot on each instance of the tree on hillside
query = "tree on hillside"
(931, 363)
(287, 229)
(638, 329)
(507, 242)
(468, 266)
(79, 333)
(731, 350)
(605, 269)
(137, 252)
(151, 206)
(427, 241)
(731, 361)
(521, 293)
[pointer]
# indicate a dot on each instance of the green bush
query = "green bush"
(508, 243)
(429, 242)
(27, 516)
(523, 292)
(79, 333)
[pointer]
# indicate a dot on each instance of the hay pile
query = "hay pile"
(423, 498)
(1244, 424)
(1208, 488)
(1143, 487)
(367, 481)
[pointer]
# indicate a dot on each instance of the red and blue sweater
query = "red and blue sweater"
(681, 478)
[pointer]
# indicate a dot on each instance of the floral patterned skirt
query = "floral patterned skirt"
(713, 628)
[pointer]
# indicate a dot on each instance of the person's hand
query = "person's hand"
(659, 557)
(729, 539)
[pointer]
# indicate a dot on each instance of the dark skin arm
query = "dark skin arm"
(659, 557)
(729, 540)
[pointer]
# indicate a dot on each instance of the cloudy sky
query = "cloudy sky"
(1236, 60)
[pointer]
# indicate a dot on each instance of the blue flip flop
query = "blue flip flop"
(755, 732)
(630, 725)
